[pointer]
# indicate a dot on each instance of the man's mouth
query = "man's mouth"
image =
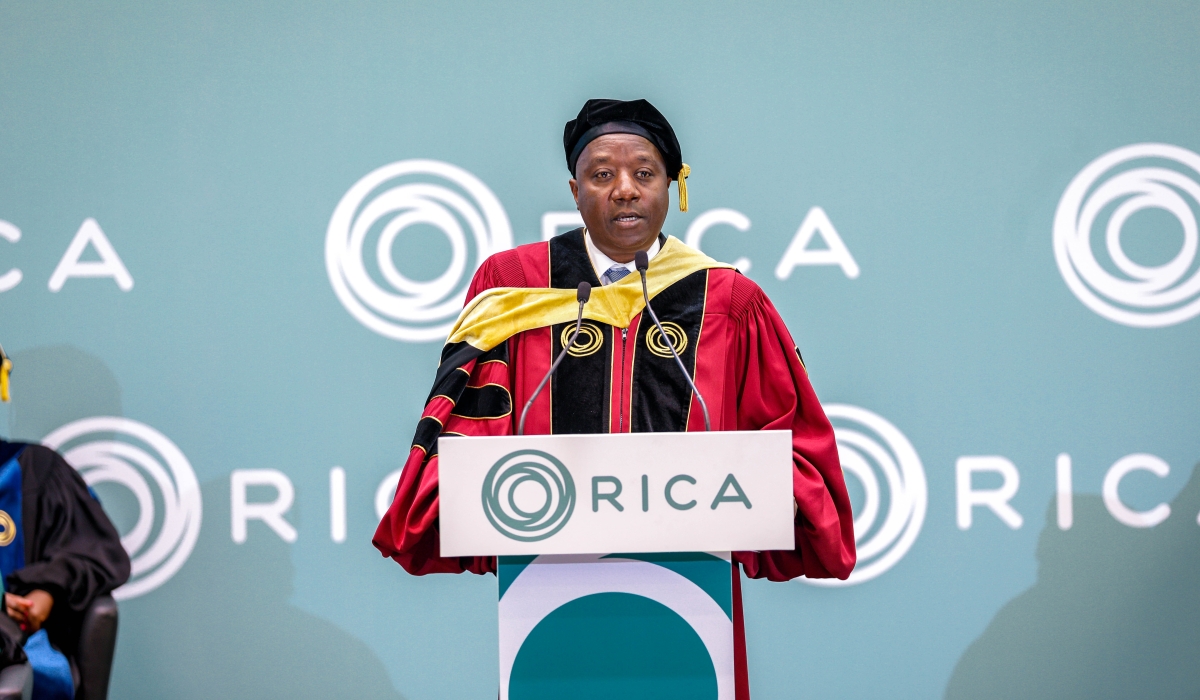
(626, 218)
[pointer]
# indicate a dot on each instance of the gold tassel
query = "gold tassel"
(682, 181)
(5, 368)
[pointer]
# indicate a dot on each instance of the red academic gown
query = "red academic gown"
(744, 361)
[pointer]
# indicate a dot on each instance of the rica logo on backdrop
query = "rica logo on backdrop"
(1097, 204)
(110, 449)
(886, 466)
(389, 200)
(377, 210)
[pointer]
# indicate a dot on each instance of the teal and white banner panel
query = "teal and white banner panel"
(639, 626)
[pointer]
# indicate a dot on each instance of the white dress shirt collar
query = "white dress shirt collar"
(601, 263)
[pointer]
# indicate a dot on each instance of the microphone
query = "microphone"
(642, 262)
(581, 295)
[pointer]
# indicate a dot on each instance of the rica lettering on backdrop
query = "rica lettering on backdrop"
(608, 490)
(800, 251)
(138, 458)
(89, 237)
(378, 209)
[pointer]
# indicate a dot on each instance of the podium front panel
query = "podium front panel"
(630, 626)
(629, 492)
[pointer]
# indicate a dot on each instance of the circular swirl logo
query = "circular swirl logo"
(589, 341)
(877, 455)
(109, 449)
(528, 495)
(675, 336)
(382, 206)
(1097, 204)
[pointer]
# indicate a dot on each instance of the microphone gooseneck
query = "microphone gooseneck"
(642, 262)
(581, 295)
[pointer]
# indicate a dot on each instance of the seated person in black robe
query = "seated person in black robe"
(58, 553)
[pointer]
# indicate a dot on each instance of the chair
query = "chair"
(16, 682)
(92, 665)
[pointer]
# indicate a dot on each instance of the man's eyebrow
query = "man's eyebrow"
(603, 158)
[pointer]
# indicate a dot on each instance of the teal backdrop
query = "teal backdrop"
(168, 178)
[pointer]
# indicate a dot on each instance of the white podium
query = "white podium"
(656, 620)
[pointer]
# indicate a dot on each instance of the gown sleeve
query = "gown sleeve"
(473, 399)
(773, 393)
(72, 550)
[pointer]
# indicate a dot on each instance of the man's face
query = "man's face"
(621, 187)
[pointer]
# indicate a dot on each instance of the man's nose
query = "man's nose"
(626, 188)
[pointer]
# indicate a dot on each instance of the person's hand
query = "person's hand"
(29, 611)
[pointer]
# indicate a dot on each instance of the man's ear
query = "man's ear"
(574, 190)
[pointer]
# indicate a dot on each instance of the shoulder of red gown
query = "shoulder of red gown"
(732, 293)
(526, 265)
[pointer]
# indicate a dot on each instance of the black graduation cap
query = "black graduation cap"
(638, 117)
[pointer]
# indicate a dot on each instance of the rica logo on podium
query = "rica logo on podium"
(528, 467)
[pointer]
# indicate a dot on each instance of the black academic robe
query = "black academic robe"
(72, 550)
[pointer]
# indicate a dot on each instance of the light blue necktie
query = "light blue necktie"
(616, 273)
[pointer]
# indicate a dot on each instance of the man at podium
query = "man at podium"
(628, 375)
